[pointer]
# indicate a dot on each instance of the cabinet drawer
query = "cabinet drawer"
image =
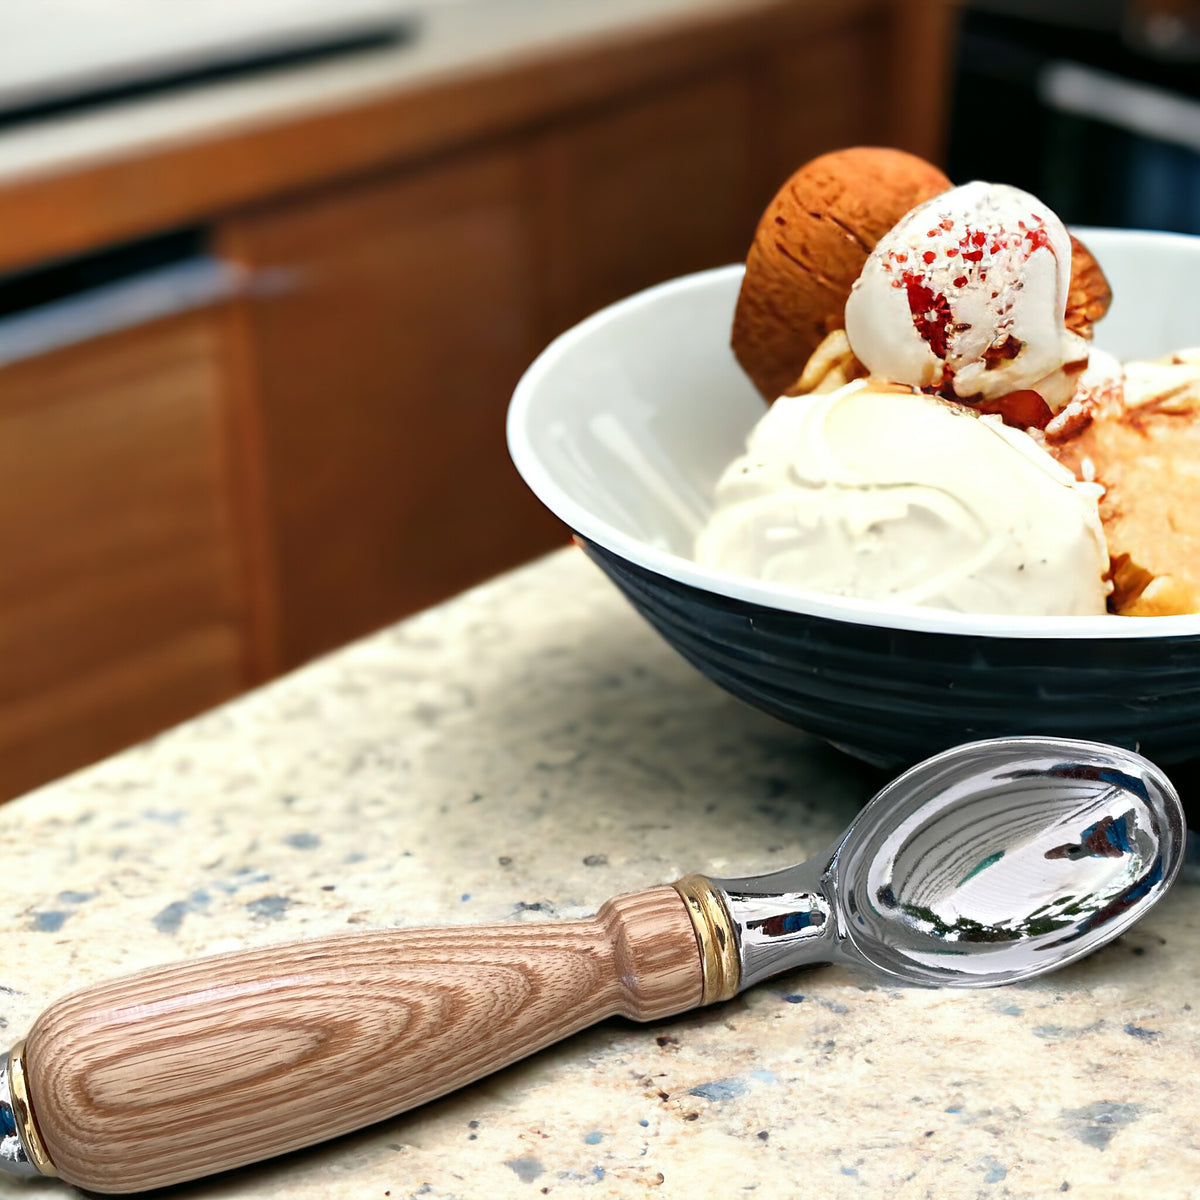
(123, 596)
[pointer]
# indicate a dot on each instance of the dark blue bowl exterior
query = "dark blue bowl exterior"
(894, 696)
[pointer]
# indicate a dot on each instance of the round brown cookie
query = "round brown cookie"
(809, 248)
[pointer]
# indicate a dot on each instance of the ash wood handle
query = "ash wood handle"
(205, 1065)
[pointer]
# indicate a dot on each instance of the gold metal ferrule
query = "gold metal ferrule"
(715, 936)
(27, 1129)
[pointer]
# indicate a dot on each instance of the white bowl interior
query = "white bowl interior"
(639, 409)
(623, 424)
(1155, 280)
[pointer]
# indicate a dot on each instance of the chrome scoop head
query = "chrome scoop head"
(989, 863)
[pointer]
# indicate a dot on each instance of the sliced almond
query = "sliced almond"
(831, 366)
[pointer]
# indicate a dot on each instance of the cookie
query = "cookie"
(809, 248)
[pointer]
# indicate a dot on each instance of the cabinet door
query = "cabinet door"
(871, 75)
(122, 597)
(391, 321)
(649, 188)
(826, 92)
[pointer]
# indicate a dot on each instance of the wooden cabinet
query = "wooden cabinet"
(196, 503)
(802, 93)
(123, 598)
(394, 316)
(389, 321)
(650, 188)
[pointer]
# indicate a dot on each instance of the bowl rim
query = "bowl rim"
(786, 598)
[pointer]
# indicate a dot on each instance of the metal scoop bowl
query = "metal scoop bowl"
(990, 863)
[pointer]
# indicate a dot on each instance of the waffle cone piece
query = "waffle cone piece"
(1143, 445)
(811, 244)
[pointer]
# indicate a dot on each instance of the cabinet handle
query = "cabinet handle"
(163, 292)
(208, 1064)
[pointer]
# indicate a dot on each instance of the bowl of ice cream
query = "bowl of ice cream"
(631, 427)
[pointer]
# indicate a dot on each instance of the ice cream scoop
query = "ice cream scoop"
(883, 493)
(968, 295)
(990, 863)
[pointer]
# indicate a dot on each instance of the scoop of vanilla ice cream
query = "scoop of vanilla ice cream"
(968, 292)
(896, 495)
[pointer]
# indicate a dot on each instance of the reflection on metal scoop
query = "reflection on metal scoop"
(989, 863)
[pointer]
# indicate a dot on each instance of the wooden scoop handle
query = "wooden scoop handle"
(204, 1065)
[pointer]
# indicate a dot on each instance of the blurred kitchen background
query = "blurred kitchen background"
(1094, 105)
(269, 270)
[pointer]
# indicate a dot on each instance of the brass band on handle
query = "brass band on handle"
(715, 936)
(27, 1129)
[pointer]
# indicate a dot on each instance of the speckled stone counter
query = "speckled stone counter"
(520, 754)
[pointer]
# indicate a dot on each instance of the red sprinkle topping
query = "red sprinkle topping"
(931, 314)
(931, 311)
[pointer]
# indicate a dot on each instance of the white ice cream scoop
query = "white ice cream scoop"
(967, 295)
(884, 493)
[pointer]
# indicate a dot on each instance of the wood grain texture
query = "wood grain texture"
(122, 600)
(803, 96)
(878, 76)
(648, 189)
(205, 1065)
(922, 44)
(246, 455)
(385, 353)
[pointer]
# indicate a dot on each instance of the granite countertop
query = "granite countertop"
(520, 754)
